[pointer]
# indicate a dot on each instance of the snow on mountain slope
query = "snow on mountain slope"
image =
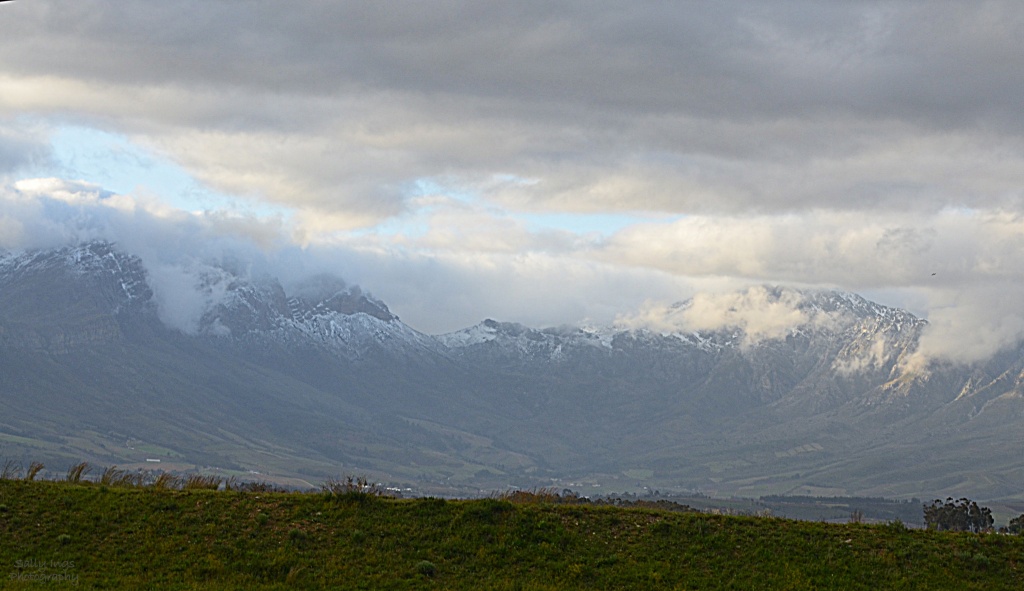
(847, 334)
(322, 312)
(119, 277)
(68, 298)
(860, 333)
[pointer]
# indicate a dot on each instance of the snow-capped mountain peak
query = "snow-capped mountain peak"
(119, 277)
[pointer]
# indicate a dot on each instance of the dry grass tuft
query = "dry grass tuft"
(202, 482)
(33, 470)
(78, 471)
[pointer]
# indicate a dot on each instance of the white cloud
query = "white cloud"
(184, 292)
(758, 311)
(970, 324)
(855, 250)
(877, 352)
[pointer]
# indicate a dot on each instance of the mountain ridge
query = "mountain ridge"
(809, 392)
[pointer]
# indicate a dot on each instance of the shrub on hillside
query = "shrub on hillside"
(352, 488)
(960, 515)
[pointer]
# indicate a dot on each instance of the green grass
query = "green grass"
(123, 538)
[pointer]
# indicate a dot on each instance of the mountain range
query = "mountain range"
(318, 379)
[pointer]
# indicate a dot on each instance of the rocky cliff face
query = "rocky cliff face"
(70, 297)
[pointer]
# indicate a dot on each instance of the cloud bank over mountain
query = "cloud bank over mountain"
(442, 289)
(433, 291)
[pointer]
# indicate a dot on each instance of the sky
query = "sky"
(540, 162)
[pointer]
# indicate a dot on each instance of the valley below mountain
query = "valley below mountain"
(312, 380)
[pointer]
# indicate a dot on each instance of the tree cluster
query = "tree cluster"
(960, 515)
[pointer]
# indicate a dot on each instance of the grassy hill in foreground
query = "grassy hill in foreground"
(54, 534)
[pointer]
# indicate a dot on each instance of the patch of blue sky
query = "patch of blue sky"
(408, 225)
(425, 187)
(604, 224)
(116, 164)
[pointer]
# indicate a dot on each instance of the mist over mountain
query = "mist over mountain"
(221, 364)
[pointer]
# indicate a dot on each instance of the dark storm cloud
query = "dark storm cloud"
(943, 60)
(21, 147)
(720, 106)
